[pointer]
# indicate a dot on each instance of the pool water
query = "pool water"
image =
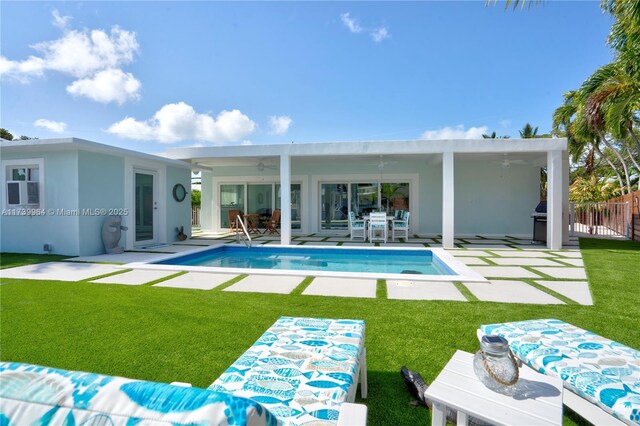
(423, 262)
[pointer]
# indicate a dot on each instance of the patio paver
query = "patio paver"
(197, 280)
(572, 254)
(565, 273)
(473, 253)
(511, 292)
(126, 257)
(342, 287)
(135, 277)
(417, 290)
(266, 284)
(58, 271)
(471, 260)
(485, 246)
(504, 272)
(524, 261)
(574, 290)
(574, 262)
(521, 253)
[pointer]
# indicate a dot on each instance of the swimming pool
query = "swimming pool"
(431, 264)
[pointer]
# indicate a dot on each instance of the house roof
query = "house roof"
(71, 144)
(210, 156)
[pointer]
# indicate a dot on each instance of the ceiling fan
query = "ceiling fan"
(507, 162)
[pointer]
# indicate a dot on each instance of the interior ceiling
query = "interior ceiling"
(529, 158)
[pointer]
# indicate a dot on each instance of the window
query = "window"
(23, 184)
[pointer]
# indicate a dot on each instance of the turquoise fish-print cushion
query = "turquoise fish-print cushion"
(301, 369)
(31, 394)
(600, 370)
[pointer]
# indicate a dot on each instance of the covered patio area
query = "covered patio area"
(454, 188)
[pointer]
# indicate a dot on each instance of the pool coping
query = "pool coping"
(462, 271)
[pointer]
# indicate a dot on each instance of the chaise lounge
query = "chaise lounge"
(602, 376)
(301, 370)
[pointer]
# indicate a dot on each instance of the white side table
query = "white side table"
(538, 403)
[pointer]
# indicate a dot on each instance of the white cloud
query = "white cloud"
(93, 57)
(110, 85)
(279, 125)
(377, 34)
(246, 142)
(350, 23)
(504, 123)
(60, 21)
(457, 132)
(380, 34)
(52, 126)
(178, 122)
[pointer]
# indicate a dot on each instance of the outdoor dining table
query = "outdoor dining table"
(367, 218)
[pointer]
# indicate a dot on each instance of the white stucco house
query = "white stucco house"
(58, 192)
(451, 187)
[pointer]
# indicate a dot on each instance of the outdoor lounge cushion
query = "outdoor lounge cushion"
(301, 369)
(30, 395)
(600, 370)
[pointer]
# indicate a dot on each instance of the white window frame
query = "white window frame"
(26, 163)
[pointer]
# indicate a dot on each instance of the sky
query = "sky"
(151, 76)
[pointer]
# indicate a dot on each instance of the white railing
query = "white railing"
(609, 220)
(247, 239)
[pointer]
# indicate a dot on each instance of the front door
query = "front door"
(146, 207)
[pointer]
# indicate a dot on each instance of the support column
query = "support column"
(447, 200)
(285, 199)
(554, 199)
(565, 197)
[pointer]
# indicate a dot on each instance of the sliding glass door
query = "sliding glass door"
(260, 199)
(337, 199)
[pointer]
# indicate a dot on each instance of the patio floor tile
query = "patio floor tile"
(520, 253)
(485, 246)
(126, 257)
(566, 272)
(574, 262)
(266, 284)
(342, 287)
(58, 271)
(471, 261)
(472, 253)
(524, 261)
(418, 290)
(481, 241)
(571, 254)
(197, 280)
(310, 238)
(504, 272)
(574, 290)
(321, 243)
(511, 292)
(360, 244)
(135, 277)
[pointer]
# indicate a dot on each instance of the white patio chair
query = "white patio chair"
(401, 227)
(378, 227)
(357, 227)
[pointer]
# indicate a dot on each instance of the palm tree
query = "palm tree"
(528, 132)
(493, 135)
(522, 3)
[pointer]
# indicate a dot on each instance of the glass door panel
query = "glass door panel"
(364, 198)
(145, 207)
(231, 198)
(395, 196)
(260, 199)
(334, 202)
(296, 202)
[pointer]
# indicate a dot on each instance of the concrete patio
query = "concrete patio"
(517, 272)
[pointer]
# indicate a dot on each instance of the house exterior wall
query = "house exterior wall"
(178, 213)
(488, 199)
(28, 234)
(100, 183)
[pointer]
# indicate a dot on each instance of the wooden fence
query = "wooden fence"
(634, 217)
(195, 216)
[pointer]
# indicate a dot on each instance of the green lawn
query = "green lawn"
(165, 334)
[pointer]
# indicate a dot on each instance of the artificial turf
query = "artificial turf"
(166, 334)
